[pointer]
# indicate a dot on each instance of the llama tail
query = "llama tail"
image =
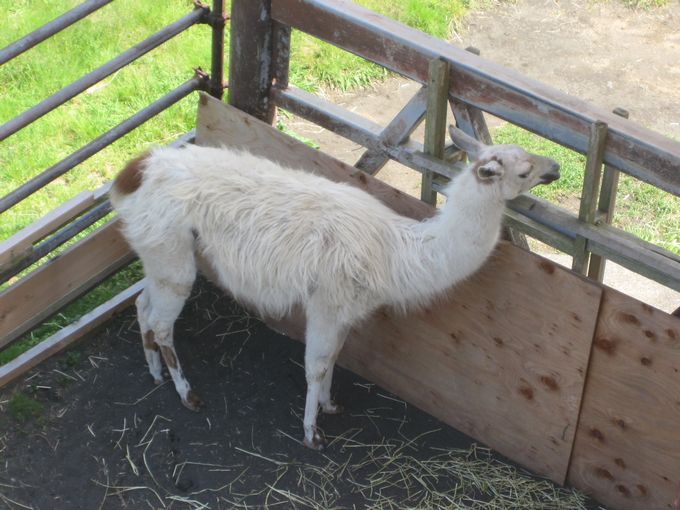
(129, 179)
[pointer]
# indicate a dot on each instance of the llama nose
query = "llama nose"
(552, 175)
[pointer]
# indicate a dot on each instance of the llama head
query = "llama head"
(508, 170)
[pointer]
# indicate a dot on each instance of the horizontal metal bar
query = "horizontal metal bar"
(58, 239)
(11, 199)
(49, 29)
(75, 88)
(502, 92)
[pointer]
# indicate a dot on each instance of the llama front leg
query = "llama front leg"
(324, 340)
(328, 405)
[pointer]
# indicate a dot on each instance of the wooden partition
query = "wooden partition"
(628, 442)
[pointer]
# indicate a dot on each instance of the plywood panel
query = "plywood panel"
(627, 450)
(502, 359)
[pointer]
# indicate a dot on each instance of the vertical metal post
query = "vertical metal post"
(435, 121)
(217, 21)
(605, 208)
(591, 186)
(251, 58)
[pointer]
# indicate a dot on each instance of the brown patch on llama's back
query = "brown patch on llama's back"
(130, 178)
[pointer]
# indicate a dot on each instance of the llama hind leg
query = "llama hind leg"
(151, 349)
(167, 300)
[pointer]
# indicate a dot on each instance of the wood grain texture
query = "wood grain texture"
(64, 278)
(502, 359)
(70, 334)
(627, 449)
(435, 122)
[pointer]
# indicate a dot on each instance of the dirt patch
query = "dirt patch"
(599, 51)
(106, 437)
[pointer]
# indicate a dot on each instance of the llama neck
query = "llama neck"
(457, 241)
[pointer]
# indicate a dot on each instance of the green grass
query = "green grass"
(24, 409)
(644, 4)
(641, 209)
(100, 37)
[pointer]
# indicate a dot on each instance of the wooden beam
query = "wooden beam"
(358, 129)
(21, 242)
(43, 292)
(591, 188)
(395, 133)
(68, 335)
(605, 209)
(435, 122)
(627, 448)
(505, 93)
(621, 247)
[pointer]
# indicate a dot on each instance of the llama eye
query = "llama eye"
(525, 174)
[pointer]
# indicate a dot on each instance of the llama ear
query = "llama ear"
(465, 142)
(490, 170)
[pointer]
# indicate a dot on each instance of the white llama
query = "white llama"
(278, 237)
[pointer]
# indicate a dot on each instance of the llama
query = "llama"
(279, 238)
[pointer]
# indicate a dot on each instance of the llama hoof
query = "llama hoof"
(158, 382)
(317, 442)
(333, 408)
(193, 401)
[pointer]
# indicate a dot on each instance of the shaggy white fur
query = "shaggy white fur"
(278, 237)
